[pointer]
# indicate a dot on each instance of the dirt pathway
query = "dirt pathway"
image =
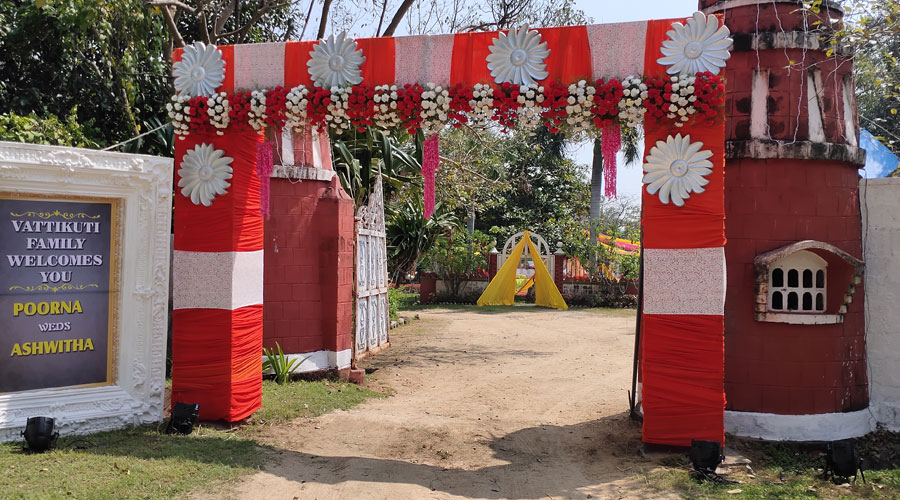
(529, 403)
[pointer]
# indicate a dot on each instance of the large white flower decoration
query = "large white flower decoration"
(701, 45)
(676, 168)
(200, 71)
(518, 57)
(335, 62)
(204, 174)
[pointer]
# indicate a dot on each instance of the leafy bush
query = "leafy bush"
(457, 257)
(410, 234)
(280, 364)
(50, 130)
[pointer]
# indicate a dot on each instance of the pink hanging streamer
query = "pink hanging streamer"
(264, 166)
(610, 142)
(430, 163)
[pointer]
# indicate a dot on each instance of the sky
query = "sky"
(615, 11)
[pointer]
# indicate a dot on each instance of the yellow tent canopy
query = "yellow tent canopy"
(501, 291)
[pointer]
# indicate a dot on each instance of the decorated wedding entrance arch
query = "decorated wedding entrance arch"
(501, 291)
(582, 79)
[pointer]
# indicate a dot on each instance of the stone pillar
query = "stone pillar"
(427, 288)
(492, 263)
(791, 159)
(559, 266)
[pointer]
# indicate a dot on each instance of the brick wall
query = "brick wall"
(776, 367)
(308, 275)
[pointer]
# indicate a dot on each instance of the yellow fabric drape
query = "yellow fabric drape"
(545, 292)
(501, 291)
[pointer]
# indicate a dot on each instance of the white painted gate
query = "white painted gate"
(539, 242)
(372, 316)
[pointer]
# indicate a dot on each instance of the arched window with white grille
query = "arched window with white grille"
(797, 283)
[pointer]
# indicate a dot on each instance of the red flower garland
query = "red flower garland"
(461, 97)
(361, 106)
(556, 97)
(659, 97)
(317, 109)
(710, 92)
(275, 107)
(239, 114)
(606, 102)
(409, 107)
(506, 105)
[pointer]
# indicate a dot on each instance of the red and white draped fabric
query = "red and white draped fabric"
(576, 52)
(218, 261)
(218, 288)
(682, 328)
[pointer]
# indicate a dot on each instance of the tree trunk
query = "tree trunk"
(596, 193)
(323, 22)
(398, 16)
(470, 220)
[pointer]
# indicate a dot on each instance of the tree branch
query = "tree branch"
(381, 19)
(323, 22)
(171, 3)
(398, 16)
(173, 27)
(221, 19)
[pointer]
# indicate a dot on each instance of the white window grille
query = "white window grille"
(797, 283)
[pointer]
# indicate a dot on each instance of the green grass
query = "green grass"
(133, 463)
(143, 463)
(282, 403)
(780, 472)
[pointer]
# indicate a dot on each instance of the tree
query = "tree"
(103, 59)
(871, 34)
(547, 193)
(472, 177)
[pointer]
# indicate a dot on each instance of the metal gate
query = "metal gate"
(372, 316)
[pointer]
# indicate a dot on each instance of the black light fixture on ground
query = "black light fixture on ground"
(184, 418)
(39, 434)
(841, 460)
(706, 457)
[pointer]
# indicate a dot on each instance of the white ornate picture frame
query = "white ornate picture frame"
(142, 186)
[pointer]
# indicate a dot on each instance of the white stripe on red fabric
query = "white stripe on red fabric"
(684, 281)
(217, 280)
(423, 59)
(617, 50)
(258, 66)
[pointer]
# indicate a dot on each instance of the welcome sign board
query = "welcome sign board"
(57, 292)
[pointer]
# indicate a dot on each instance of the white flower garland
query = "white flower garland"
(178, 112)
(218, 110)
(531, 97)
(482, 105)
(385, 98)
(296, 103)
(578, 106)
(257, 114)
(435, 108)
(682, 100)
(631, 106)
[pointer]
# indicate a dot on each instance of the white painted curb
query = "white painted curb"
(820, 427)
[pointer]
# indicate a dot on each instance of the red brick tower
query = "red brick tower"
(795, 365)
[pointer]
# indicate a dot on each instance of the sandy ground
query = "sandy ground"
(529, 403)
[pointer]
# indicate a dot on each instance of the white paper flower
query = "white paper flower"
(204, 174)
(518, 57)
(676, 168)
(335, 62)
(701, 45)
(200, 71)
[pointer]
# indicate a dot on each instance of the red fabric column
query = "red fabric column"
(683, 356)
(217, 341)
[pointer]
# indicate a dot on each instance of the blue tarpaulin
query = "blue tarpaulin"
(880, 161)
